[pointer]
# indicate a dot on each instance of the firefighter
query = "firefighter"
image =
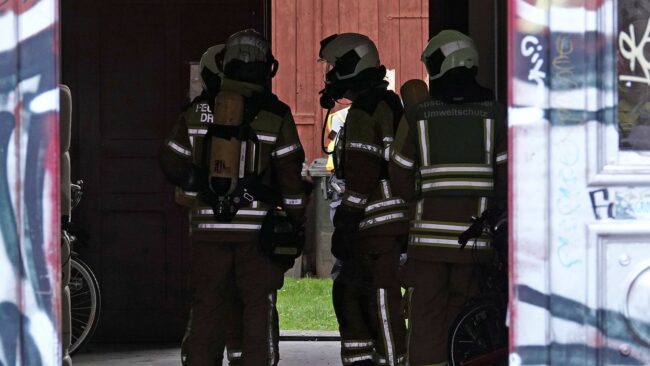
(210, 77)
(368, 222)
(243, 161)
(449, 160)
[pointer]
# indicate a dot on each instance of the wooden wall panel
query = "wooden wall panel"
(329, 17)
(369, 19)
(284, 42)
(408, 26)
(348, 16)
(306, 56)
(389, 35)
(424, 23)
(398, 27)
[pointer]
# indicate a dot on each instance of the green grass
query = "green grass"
(306, 304)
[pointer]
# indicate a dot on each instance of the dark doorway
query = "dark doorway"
(486, 22)
(127, 64)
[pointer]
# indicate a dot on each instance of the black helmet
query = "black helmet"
(248, 58)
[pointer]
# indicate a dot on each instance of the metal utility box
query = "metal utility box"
(321, 218)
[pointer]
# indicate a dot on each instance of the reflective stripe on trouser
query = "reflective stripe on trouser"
(234, 356)
(232, 325)
(257, 279)
(388, 308)
(436, 294)
(356, 336)
(367, 301)
(234, 340)
(401, 360)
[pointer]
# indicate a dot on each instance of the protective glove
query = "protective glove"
(281, 239)
(286, 261)
(346, 224)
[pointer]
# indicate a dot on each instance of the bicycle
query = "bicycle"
(85, 295)
(478, 335)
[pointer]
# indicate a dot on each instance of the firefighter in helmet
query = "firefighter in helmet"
(201, 109)
(449, 160)
(370, 219)
(244, 163)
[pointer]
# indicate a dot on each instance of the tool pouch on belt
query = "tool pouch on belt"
(281, 239)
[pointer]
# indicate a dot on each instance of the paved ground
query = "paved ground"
(292, 353)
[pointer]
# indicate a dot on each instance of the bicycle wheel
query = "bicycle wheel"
(479, 336)
(85, 303)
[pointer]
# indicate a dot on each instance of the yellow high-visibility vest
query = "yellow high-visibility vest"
(339, 118)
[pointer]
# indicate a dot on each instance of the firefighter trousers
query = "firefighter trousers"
(232, 325)
(235, 332)
(436, 293)
(367, 298)
(257, 279)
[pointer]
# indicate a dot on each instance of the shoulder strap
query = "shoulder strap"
(395, 105)
(272, 104)
(369, 101)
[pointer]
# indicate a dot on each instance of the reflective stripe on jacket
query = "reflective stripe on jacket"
(449, 161)
(369, 130)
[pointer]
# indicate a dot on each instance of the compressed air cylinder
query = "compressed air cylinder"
(226, 153)
(413, 92)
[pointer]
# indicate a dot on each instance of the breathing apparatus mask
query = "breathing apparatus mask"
(352, 66)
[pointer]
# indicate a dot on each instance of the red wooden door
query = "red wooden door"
(400, 28)
(126, 63)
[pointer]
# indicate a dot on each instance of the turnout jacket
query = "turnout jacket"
(277, 155)
(367, 137)
(449, 161)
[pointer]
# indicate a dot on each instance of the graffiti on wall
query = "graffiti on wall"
(29, 217)
(571, 302)
(601, 204)
(634, 74)
(532, 49)
(634, 53)
(621, 203)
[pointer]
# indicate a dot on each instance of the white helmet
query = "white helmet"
(348, 54)
(210, 66)
(447, 50)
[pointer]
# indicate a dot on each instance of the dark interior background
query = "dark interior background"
(127, 64)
